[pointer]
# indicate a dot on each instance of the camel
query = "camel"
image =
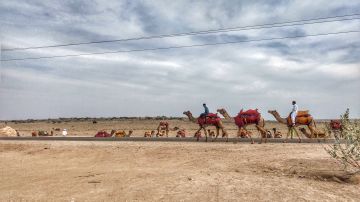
(208, 120)
(41, 133)
(303, 118)
(121, 133)
(163, 129)
(268, 134)
(242, 133)
(277, 134)
(198, 134)
(103, 133)
(320, 134)
(242, 123)
(149, 133)
(211, 133)
(336, 128)
(181, 133)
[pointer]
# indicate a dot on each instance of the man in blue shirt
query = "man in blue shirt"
(206, 111)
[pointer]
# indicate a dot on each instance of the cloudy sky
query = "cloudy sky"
(321, 73)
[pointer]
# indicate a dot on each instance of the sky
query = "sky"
(321, 73)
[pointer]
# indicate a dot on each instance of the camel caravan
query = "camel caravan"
(252, 117)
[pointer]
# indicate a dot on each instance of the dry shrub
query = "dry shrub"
(347, 150)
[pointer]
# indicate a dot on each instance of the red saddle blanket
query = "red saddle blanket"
(335, 124)
(209, 119)
(102, 134)
(251, 116)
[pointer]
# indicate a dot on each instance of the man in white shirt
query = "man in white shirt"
(294, 112)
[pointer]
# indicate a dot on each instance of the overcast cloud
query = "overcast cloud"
(321, 73)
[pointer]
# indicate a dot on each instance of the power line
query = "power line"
(250, 27)
(178, 47)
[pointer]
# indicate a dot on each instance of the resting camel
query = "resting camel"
(181, 133)
(317, 133)
(211, 133)
(121, 133)
(208, 120)
(243, 119)
(41, 133)
(277, 134)
(149, 133)
(198, 134)
(244, 133)
(302, 118)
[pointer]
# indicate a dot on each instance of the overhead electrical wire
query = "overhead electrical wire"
(178, 47)
(239, 28)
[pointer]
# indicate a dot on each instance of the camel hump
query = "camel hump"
(303, 113)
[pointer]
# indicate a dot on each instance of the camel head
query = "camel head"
(272, 111)
(221, 111)
(187, 113)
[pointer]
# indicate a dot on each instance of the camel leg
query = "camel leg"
(224, 132)
(158, 131)
(297, 135)
(198, 136)
(261, 127)
(217, 133)
(287, 134)
(312, 131)
(238, 135)
(205, 132)
(252, 141)
(167, 132)
(262, 131)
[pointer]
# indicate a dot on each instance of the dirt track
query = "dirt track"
(169, 171)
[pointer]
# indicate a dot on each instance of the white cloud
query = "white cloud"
(260, 75)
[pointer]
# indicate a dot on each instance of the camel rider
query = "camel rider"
(206, 112)
(294, 112)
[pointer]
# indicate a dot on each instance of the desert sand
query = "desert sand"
(168, 171)
(165, 171)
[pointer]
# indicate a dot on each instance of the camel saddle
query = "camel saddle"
(251, 116)
(301, 117)
(304, 113)
(102, 134)
(210, 118)
(335, 124)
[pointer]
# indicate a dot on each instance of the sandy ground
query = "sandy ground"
(168, 171)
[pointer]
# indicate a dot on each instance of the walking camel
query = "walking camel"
(245, 118)
(302, 118)
(209, 120)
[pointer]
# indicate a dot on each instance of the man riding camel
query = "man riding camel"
(206, 112)
(294, 112)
